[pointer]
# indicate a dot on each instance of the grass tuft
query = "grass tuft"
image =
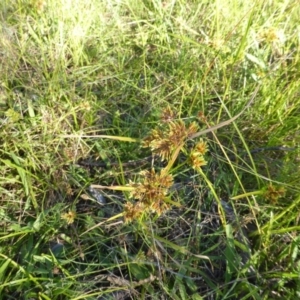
(150, 150)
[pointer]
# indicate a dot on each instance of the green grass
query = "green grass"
(72, 71)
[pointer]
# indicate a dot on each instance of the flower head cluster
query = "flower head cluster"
(197, 155)
(164, 142)
(168, 115)
(167, 141)
(69, 217)
(273, 35)
(133, 211)
(151, 194)
(273, 193)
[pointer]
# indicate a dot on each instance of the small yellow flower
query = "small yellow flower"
(197, 155)
(197, 160)
(13, 115)
(69, 217)
(85, 105)
(201, 147)
(273, 35)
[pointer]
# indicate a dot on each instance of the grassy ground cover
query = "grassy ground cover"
(124, 173)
